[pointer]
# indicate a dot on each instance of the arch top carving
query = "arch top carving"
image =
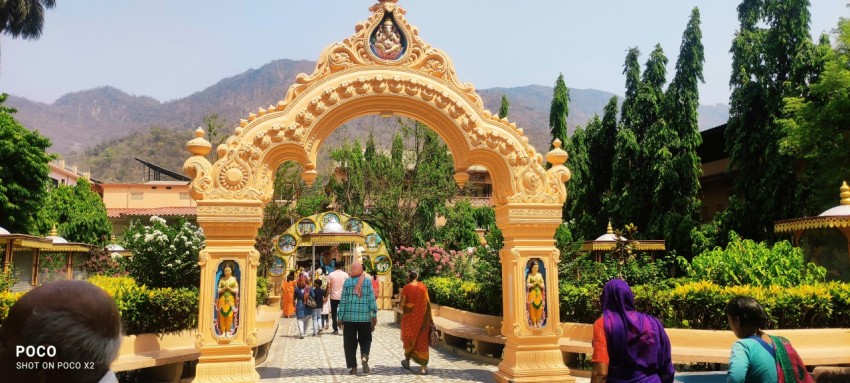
(383, 67)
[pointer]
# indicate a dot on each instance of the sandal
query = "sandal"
(423, 370)
(406, 364)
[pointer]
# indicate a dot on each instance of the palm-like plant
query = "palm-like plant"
(23, 18)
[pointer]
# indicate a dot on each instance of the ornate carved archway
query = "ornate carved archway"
(384, 67)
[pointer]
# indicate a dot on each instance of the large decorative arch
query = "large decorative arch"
(354, 78)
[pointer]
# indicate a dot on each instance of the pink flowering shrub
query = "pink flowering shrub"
(101, 262)
(431, 261)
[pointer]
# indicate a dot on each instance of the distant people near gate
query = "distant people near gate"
(335, 282)
(287, 301)
(227, 298)
(535, 293)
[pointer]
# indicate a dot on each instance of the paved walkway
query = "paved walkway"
(321, 359)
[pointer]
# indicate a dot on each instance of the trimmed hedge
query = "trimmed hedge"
(143, 310)
(460, 294)
(151, 310)
(700, 305)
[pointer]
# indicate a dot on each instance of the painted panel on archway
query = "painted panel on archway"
(387, 41)
(535, 293)
(226, 314)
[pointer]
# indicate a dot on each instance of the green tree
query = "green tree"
(402, 191)
(350, 189)
(676, 165)
(580, 202)
(23, 18)
(216, 134)
(78, 212)
(23, 173)
(601, 141)
(558, 112)
(818, 125)
(633, 167)
(503, 108)
(625, 144)
(772, 57)
(459, 231)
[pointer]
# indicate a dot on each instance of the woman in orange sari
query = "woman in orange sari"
(287, 301)
(415, 322)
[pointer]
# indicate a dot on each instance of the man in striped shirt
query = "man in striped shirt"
(358, 315)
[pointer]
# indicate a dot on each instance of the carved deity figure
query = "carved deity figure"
(387, 44)
(535, 290)
(226, 305)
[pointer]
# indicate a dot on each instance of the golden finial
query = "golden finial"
(845, 194)
(557, 156)
(610, 229)
(114, 239)
(198, 145)
(53, 231)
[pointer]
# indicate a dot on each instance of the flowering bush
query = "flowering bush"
(430, 261)
(101, 262)
(52, 267)
(163, 255)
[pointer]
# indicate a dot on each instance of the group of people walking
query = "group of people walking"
(633, 347)
(628, 346)
(350, 301)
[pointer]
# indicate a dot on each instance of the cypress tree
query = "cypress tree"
(676, 165)
(580, 202)
(601, 137)
(503, 108)
(559, 111)
(625, 145)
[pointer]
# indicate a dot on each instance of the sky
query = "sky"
(170, 49)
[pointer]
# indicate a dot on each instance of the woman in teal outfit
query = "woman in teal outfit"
(758, 357)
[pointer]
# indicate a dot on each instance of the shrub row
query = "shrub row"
(151, 310)
(700, 305)
(463, 295)
(143, 309)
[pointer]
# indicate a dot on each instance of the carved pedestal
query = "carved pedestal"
(530, 295)
(225, 346)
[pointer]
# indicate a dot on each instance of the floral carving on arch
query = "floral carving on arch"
(350, 80)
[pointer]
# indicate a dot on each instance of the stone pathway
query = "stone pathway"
(321, 359)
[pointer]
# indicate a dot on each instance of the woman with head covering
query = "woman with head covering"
(415, 322)
(628, 346)
(757, 357)
(358, 315)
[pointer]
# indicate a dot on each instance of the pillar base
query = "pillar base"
(236, 372)
(533, 366)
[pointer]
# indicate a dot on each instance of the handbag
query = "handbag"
(310, 302)
(433, 335)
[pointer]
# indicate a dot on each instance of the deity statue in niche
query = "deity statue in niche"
(536, 293)
(387, 41)
(227, 299)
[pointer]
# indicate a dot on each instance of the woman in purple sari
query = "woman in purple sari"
(628, 346)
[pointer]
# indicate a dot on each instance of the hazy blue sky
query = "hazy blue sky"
(169, 49)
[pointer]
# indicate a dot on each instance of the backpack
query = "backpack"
(310, 302)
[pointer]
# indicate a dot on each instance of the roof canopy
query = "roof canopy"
(608, 242)
(836, 217)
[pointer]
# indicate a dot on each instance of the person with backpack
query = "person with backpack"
(303, 313)
(318, 296)
(758, 357)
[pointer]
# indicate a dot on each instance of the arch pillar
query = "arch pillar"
(230, 228)
(531, 354)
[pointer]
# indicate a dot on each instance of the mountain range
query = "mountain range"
(101, 129)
